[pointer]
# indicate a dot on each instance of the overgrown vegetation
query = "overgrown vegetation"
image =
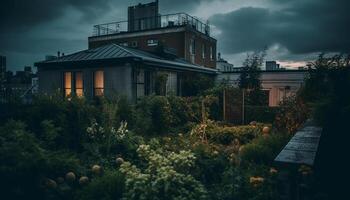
(162, 147)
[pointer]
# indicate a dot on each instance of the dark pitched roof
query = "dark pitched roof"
(116, 52)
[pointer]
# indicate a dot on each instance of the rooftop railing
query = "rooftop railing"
(161, 21)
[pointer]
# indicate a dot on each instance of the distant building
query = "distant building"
(278, 84)
(143, 16)
(18, 84)
(2, 69)
(171, 35)
(272, 65)
(223, 66)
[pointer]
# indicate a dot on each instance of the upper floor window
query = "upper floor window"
(125, 44)
(134, 43)
(98, 83)
(211, 53)
(203, 50)
(193, 46)
(152, 43)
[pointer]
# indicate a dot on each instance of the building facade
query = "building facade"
(272, 65)
(2, 68)
(178, 34)
(277, 83)
(223, 66)
(114, 70)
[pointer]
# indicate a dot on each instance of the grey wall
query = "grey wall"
(117, 80)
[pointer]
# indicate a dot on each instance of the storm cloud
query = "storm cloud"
(291, 29)
(301, 26)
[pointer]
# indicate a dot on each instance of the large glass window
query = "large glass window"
(79, 90)
(98, 83)
(73, 84)
(67, 84)
(211, 53)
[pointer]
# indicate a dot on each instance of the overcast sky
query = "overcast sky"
(293, 31)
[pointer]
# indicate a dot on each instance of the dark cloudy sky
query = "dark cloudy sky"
(294, 31)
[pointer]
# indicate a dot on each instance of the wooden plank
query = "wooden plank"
(296, 157)
(302, 148)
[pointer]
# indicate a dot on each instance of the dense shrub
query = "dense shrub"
(25, 164)
(264, 149)
(165, 177)
(292, 113)
(263, 114)
(227, 134)
(237, 184)
(108, 187)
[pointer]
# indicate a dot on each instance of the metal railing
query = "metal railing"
(161, 21)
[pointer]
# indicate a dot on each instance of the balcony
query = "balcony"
(161, 21)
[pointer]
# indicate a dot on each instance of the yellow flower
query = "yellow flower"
(256, 180)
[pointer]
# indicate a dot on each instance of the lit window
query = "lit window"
(73, 84)
(79, 90)
(203, 51)
(98, 83)
(67, 84)
(152, 43)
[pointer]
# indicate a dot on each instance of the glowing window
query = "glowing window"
(79, 90)
(67, 84)
(98, 83)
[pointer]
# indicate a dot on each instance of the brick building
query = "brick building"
(179, 34)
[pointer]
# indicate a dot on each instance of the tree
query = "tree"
(249, 79)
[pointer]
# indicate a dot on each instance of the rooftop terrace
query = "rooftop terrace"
(161, 21)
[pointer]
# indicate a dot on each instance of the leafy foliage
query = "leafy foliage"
(164, 178)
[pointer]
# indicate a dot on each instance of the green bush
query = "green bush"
(263, 114)
(292, 113)
(23, 163)
(166, 176)
(153, 115)
(108, 187)
(226, 134)
(263, 149)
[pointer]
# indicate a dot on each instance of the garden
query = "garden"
(162, 147)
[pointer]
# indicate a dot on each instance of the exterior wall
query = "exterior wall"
(117, 80)
(168, 39)
(280, 84)
(50, 81)
(177, 38)
(201, 39)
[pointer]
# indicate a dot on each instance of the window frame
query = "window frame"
(94, 88)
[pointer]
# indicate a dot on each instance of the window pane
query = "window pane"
(79, 92)
(67, 92)
(79, 80)
(99, 79)
(98, 92)
(98, 83)
(67, 84)
(68, 80)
